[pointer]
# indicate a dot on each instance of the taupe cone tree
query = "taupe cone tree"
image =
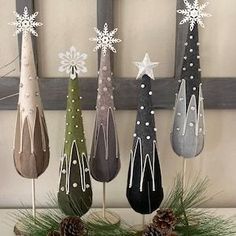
(31, 147)
(104, 159)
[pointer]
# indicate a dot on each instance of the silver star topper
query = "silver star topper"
(26, 23)
(105, 39)
(193, 13)
(146, 67)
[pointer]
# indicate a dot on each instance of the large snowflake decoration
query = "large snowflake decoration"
(194, 13)
(105, 39)
(26, 23)
(73, 62)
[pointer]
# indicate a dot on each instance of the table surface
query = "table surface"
(132, 218)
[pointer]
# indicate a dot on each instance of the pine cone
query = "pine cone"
(165, 221)
(72, 226)
(151, 230)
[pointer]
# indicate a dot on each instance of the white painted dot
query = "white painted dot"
(181, 99)
(152, 112)
(86, 170)
(73, 100)
(142, 85)
(105, 89)
(191, 124)
(138, 122)
(67, 96)
(178, 114)
(198, 57)
(142, 107)
(150, 93)
(184, 69)
(69, 109)
(191, 37)
(200, 130)
(178, 129)
(69, 132)
(191, 77)
(199, 69)
(147, 123)
(73, 117)
(98, 72)
(72, 90)
(194, 88)
(112, 97)
(87, 186)
(67, 124)
(186, 44)
(108, 78)
(148, 137)
(155, 129)
(76, 126)
(198, 44)
(75, 185)
(134, 135)
(185, 58)
(74, 162)
(80, 97)
(191, 64)
(81, 140)
(201, 115)
(193, 108)
(179, 81)
(77, 109)
(63, 171)
(62, 189)
(191, 50)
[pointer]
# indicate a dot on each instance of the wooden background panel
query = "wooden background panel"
(218, 93)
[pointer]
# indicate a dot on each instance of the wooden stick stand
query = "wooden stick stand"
(110, 217)
(18, 229)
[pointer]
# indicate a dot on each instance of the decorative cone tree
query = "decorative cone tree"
(31, 148)
(104, 158)
(75, 193)
(188, 132)
(144, 187)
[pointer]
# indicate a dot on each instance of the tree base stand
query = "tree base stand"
(19, 231)
(108, 216)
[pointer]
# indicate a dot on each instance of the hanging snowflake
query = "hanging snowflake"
(26, 23)
(105, 39)
(194, 13)
(73, 62)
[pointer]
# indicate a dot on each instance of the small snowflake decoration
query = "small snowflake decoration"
(105, 39)
(26, 23)
(194, 13)
(73, 62)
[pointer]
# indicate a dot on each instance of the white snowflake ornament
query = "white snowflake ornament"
(194, 13)
(26, 23)
(105, 39)
(73, 62)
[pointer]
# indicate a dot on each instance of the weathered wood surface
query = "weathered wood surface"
(219, 93)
